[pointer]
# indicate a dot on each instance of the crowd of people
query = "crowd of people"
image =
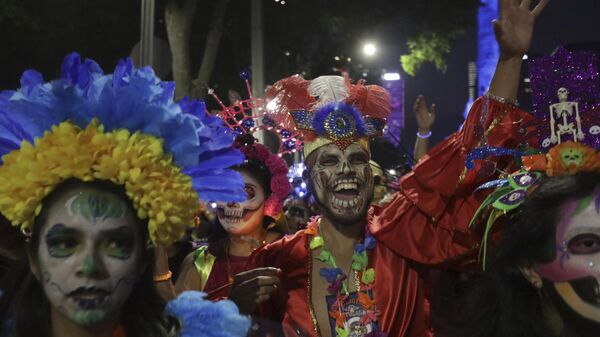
(127, 213)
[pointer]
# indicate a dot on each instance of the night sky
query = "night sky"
(563, 22)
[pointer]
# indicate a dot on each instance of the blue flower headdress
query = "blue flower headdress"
(123, 127)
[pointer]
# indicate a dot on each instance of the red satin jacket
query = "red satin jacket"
(426, 225)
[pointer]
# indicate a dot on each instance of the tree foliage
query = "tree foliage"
(302, 36)
(427, 47)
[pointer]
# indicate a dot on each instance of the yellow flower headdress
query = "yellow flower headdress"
(124, 128)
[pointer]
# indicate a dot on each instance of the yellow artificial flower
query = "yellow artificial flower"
(158, 189)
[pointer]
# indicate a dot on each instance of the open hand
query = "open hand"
(425, 116)
(253, 287)
(515, 27)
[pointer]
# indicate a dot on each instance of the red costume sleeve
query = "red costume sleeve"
(427, 221)
(289, 255)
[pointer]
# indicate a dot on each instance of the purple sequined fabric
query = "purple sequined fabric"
(577, 72)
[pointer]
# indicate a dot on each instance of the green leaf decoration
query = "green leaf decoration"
(496, 213)
(341, 332)
(360, 260)
(488, 201)
(316, 242)
(368, 276)
(325, 256)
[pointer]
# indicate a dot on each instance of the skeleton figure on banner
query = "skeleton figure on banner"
(565, 110)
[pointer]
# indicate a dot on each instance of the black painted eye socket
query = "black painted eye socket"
(584, 244)
(329, 161)
(250, 192)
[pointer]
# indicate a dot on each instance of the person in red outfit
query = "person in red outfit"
(357, 271)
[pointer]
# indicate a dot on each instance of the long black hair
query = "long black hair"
(26, 310)
(504, 303)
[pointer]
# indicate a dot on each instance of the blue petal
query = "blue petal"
(31, 79)
(330, 274)
(370, 242)
(202, 318)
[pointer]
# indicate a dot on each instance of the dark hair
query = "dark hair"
(503, 303)
(261, 173)
(28, 309)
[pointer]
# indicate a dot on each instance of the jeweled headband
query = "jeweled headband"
(329, 109)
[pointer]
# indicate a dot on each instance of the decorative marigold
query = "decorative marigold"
(159, 191)
(566, 158)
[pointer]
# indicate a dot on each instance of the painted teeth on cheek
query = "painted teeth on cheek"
(234, 213)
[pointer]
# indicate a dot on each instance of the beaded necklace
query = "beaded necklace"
(364, 278)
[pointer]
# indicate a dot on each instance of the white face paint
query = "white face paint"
(89, 255)
(343, 182)
(575, 272)
(246, 217)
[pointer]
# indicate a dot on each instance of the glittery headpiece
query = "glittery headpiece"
(246, 116)
(573, 75)
(329, 109)
(241, 117)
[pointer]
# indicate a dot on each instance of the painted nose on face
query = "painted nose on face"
(232, 204)
(346, 167)
(92, 267)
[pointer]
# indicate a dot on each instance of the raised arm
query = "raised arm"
(513, 32)
(425, 118)
(428, 219)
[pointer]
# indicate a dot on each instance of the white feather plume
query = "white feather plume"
(328, 89)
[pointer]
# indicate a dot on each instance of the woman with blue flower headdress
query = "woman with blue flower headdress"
(96, 169)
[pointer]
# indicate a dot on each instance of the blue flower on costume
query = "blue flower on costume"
(339, 121)
(203, 318)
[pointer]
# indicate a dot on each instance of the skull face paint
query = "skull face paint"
(246, 217)
(343, 182)
(297, 214)
(575, 272)
(89, 255)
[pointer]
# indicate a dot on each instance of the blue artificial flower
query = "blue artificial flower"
(330, 274)
(370, 241)
(203, 318)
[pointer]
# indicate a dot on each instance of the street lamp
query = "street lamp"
(369, 49)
